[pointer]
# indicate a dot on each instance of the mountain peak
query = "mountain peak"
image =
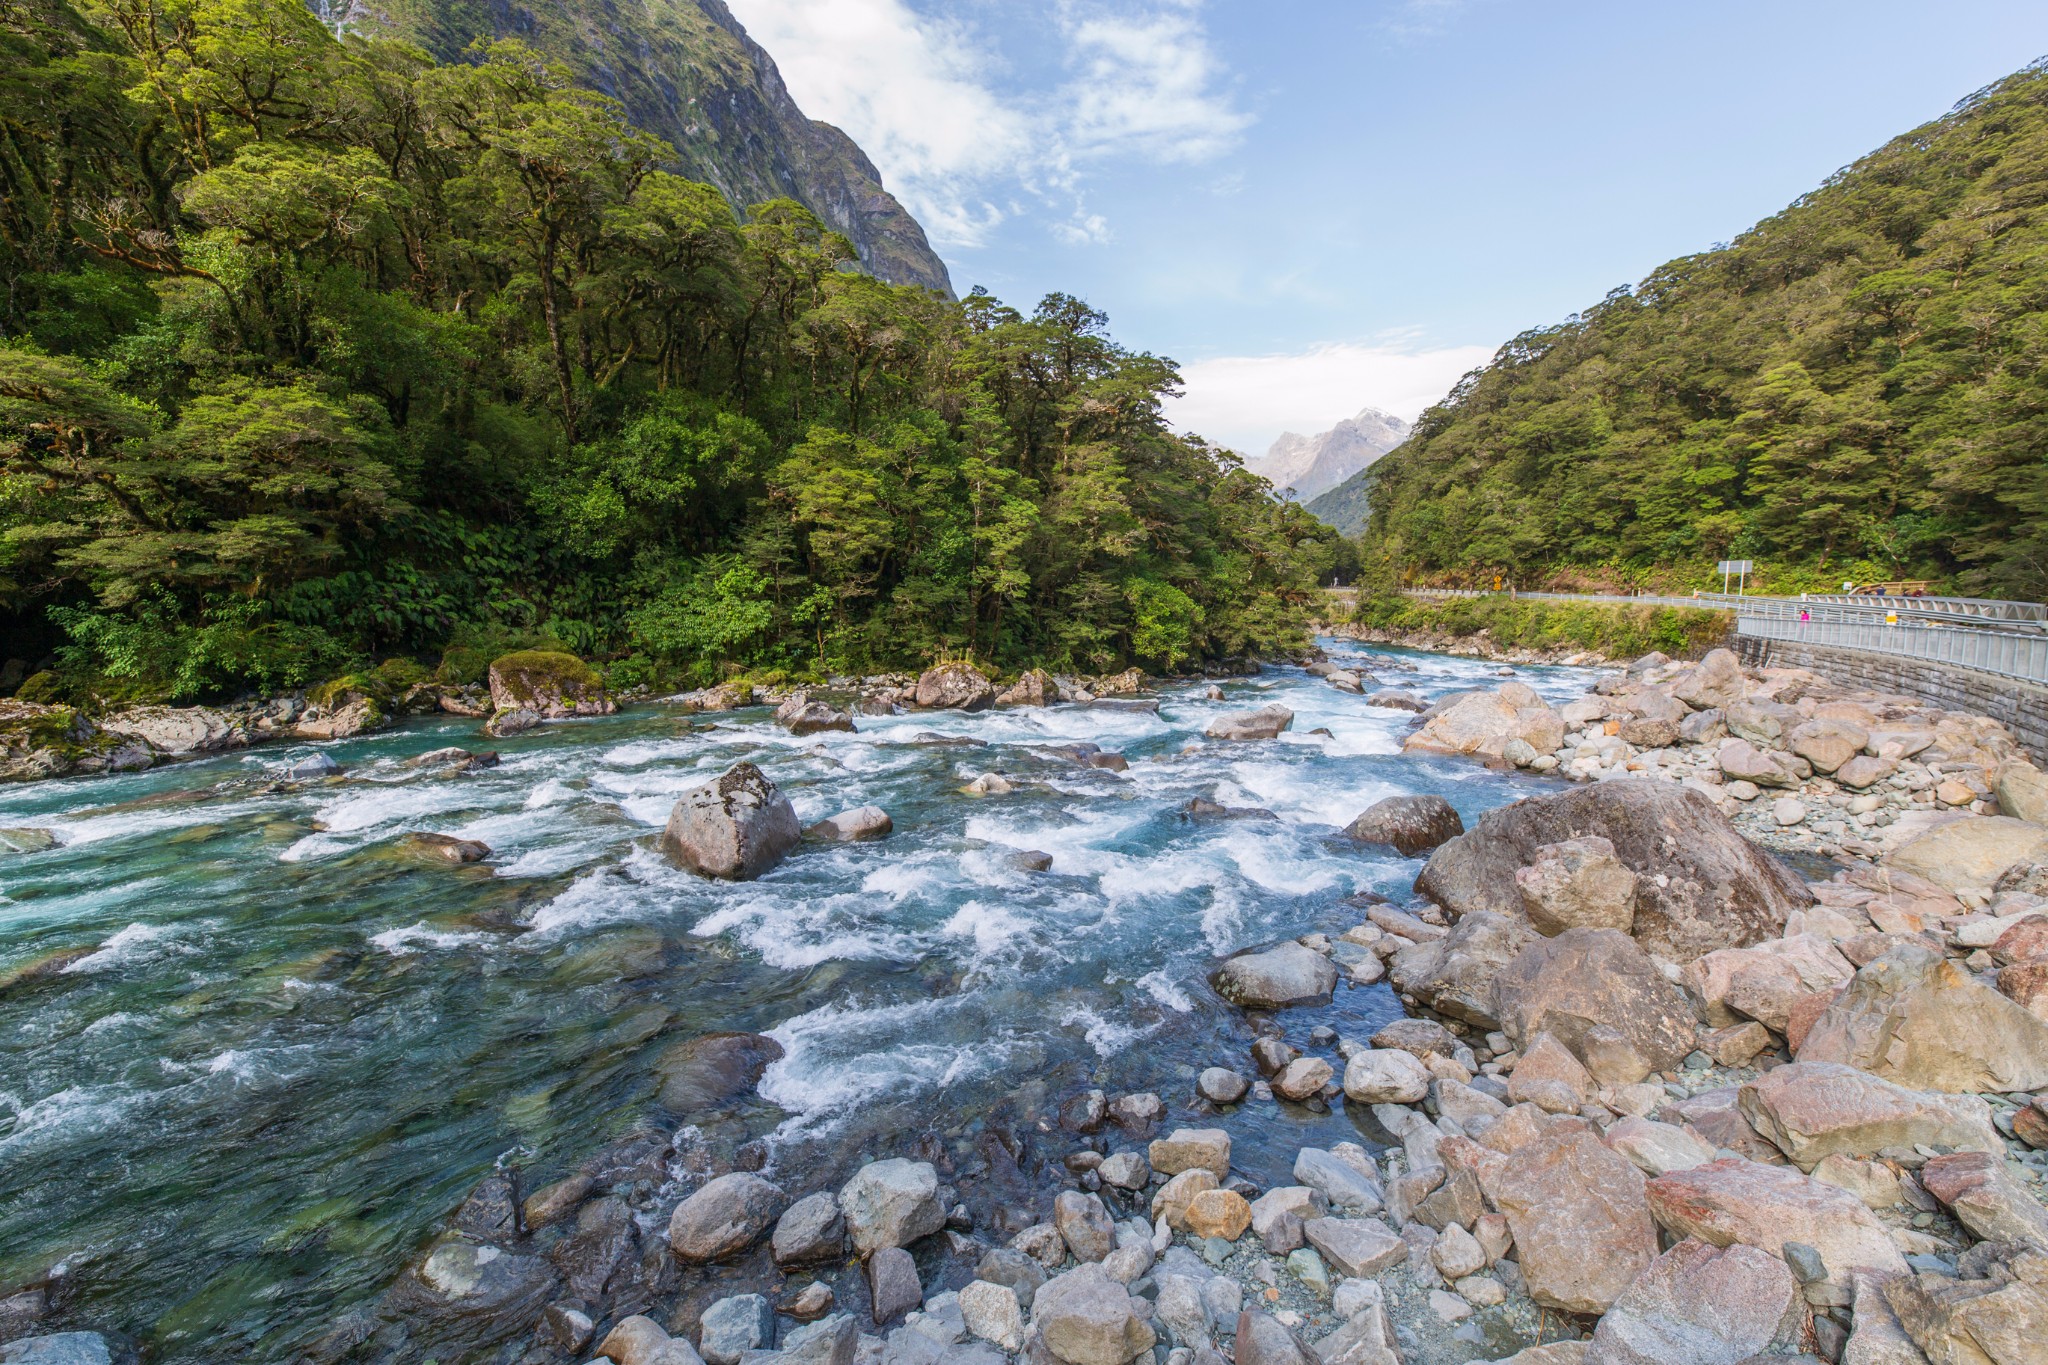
(1301, 467)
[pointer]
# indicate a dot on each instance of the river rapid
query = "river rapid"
(289, 1049)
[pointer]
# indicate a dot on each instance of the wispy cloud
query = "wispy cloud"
(1423, 18)
(921, 93)
(1245, 401)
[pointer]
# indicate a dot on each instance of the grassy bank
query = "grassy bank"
(1616, 631)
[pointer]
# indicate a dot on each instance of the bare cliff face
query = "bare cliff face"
(687, 72)
(1302, 467)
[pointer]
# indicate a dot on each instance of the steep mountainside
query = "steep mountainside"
(688, 73)
(1304, 466)
(1855, 388)
(1344, 507)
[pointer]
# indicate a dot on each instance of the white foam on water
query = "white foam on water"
(135, 943)
(552, 792)
(119, 1019)
(801, 930)
(92, 829)
(414, 938)
(839, 1057)
(314, 847)
(607, 895)
(66, 1115)
(1160, 987)
(991, 928)
(1107, 1036)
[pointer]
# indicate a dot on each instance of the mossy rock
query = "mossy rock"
(350, 688)
(43, 688)
(52, 741)
(402, 675)
(550, 683)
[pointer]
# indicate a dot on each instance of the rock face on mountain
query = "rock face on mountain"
(688, 73)
(1301, 467)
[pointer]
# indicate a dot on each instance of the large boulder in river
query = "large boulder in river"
(801, 715)
(1585, 979)
(1287, 975)
(1914, 1017)
(891, 1204)
(734, 827)
(1407, 824)
(1701, 885)
(725, 1217)
(1454, 975)
(954, 687)
(1485, 723)
(699, 1075)
(1971, 852)
(1265, 723)
(550, 683)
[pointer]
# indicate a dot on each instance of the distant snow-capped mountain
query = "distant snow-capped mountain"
(1300, 467)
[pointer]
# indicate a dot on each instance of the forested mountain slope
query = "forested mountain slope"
(316, 352)
(686, 72)
(1854, 388)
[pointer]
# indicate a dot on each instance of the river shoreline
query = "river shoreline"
(1004, 1169)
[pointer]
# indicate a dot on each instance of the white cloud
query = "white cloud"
(1147, 83)
(920, 94)
(1423, 18)
(1245, 401)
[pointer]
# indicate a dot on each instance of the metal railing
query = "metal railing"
(2005, 653)
(2005, 639)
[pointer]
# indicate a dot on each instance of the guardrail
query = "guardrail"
(2005, 639)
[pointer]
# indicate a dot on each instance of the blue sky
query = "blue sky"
(1316, 205)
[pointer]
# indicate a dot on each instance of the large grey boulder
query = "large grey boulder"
(1702, 1305)
(735, 1325)
(1591, 978)
(1086, 1318)
(813, 1229)
(1407, 824)
(891, 1204)
(725, 1217)
(1701, 885)
(1265, 723)
(1914, 1017)
(1714, 682)
(1577, 884)
(1454, 975)
(735, 827)
(1287, 975)
(954, 687)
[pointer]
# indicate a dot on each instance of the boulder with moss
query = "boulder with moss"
(38, 741)
(350, 705)
(549, 683)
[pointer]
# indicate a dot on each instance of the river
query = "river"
(291, 1049)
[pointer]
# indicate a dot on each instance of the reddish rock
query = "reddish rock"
(2026, 985)
(1811, 1110)
(1804, 1014)
(2024, 941)
(1581, 1224)
(1699, 1304)
(1985, 1198)
(1734, 1201)
(1585, 978)
(1914, 1017)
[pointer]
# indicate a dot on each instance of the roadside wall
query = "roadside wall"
(2022, 707)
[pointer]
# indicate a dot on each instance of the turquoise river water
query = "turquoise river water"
(289, 1051)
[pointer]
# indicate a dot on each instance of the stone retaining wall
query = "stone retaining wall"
(2021, 707)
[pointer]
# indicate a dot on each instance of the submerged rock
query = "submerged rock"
(445, 847)
(699, 1075)
(735, 827)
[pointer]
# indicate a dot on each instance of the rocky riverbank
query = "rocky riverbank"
(1658, 1099)
(1480, 645)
